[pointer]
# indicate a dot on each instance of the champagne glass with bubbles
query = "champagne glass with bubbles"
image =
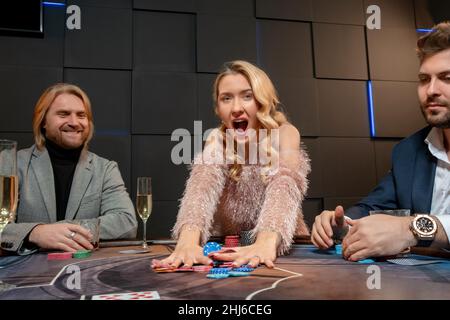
(8, 182)
(144, 203)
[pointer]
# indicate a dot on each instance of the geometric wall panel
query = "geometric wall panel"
(152, 48)
(392, 54)
(342, 11)
(46, 51)
(383, 154)
(104, 41)
(348, 166)
(342, 108)
(300, 10)
(339, 51)
(396, 109)
(284, 48)
(20, 89)
(163, 102)
(98, 85)
(394, 13)
(221, 39)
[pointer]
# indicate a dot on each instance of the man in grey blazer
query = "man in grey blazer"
(61, 181)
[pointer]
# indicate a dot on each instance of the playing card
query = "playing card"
(143, 295)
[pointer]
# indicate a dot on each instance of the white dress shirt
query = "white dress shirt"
(440, 203)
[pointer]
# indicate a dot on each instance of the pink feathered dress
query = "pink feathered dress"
(218, 205)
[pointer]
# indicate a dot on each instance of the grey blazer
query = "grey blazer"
(97, 191)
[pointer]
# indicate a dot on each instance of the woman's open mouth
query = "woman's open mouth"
(240, 125)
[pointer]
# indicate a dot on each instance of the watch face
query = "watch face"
(425, 225)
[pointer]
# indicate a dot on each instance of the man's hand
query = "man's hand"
(61, 236)
(377, 235)
(329, 225)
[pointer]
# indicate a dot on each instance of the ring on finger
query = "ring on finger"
(71, 235)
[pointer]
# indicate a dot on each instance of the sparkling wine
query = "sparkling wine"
(144, 206)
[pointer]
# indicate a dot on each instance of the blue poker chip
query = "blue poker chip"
(211, 247)
(243, 269)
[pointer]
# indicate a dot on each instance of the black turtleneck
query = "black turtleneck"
(64, 162)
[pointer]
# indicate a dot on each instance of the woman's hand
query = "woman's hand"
(252, 255)
(184, 254)
(187, 252)
(263, 251)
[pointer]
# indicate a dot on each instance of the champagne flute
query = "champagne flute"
(8, 182)
(144, 203)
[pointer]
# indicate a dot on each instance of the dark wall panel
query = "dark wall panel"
(298, 99)
(396, 103)
(47, 51)
(152, 158)
(104, 40)
(343, 108)
(284, 48)
(399, 45)
(331, 203)
(103, 3)
(24, 139)
(284, 9)
(383, 154)
(161, 221)
(163, 102)
(221, 39)
(244, 8)
(205, 101)
(394, 13)
(339, 51)
(164, 41)
(20, 89)
(342, 11)
(430, 12)
(312, 147)
(167, 5)
(118, 149)
(348, 166)
(99, 84)
(311, 208)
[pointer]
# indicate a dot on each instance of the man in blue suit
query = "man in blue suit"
(419, 179)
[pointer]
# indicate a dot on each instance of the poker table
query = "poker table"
(306, 273)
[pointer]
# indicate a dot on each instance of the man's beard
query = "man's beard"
(439, 120)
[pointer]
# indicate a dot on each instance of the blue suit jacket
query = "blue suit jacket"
(409, 184)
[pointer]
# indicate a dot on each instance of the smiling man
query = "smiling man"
(61, 181)
(419, 179)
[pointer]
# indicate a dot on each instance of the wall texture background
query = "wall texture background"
(148, 67)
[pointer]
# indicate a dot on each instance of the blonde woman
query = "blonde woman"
(238, 190)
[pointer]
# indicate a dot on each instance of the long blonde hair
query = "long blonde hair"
(46, 100)
(268, 115)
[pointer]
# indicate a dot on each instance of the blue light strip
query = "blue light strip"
(424, 30)
(370, 103)
(53, 4)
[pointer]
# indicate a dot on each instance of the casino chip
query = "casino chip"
(82, 254)
(211, 247)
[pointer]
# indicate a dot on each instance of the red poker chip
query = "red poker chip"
(202, 268)
(59, 256)
(232, 237)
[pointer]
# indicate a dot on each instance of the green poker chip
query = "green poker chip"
(82, 254)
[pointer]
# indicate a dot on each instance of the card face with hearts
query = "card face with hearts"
(143, 295)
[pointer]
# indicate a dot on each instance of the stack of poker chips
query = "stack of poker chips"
(211, 247)
(246, 238)
(231, 241)
(222, 273)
